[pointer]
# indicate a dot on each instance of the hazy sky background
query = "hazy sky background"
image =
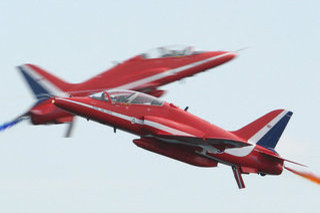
(98, 171)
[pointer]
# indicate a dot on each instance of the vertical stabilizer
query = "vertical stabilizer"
(267, 130)
(42, 83)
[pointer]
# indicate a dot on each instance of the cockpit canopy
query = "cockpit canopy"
(127, 96)
(169, 51)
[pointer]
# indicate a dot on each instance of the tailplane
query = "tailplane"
(42, 83)
(267, 130)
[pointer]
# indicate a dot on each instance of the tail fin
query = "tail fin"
(42, 83)
(267, 130)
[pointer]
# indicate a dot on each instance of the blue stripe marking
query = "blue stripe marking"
(272, 137)
(39, 91)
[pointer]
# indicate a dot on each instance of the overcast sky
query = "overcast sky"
(99, 171)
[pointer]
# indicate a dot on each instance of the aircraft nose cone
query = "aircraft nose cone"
(227, 56)
(232, 54)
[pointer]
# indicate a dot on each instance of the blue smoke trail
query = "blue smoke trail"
(11, 123)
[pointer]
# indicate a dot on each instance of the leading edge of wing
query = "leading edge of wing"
(196, 141)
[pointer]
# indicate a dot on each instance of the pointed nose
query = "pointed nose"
(220, 57)
(230, 55)
(233, 54)
(223, 56)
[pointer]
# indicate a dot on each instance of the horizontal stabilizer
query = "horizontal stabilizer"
(276, 157)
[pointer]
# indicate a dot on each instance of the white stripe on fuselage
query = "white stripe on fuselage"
(167, 73)
(133, 119)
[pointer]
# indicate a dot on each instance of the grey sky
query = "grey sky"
(99, 171)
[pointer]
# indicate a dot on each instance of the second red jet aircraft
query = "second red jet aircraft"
(145, 72)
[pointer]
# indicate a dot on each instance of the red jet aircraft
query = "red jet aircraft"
(170, 131)
(145, 72)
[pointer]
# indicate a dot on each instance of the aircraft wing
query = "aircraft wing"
(167, 131)
(197, 141)
(151, 89)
